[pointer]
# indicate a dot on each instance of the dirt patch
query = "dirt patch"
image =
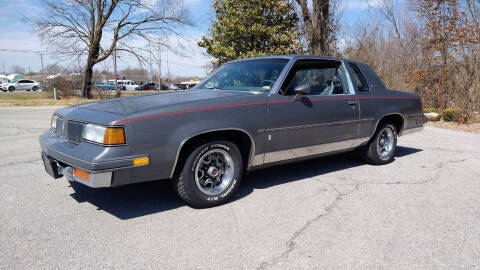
(469, 127)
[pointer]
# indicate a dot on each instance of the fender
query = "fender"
(252, 148)
(385, 115)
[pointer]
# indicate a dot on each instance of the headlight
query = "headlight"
(104, 135)
(53, 121)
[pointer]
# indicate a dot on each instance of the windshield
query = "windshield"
(249, 75)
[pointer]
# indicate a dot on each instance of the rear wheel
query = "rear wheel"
(210, 174)
(381, 149)
(35, 88)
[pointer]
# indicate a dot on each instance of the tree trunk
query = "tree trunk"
(93, 53)
(87, 80)
(317, 25)
(321, 24)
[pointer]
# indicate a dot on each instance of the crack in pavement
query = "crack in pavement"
(290, 244)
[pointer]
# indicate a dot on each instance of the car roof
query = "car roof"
(296, 57)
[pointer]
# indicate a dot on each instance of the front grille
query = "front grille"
(74, 132)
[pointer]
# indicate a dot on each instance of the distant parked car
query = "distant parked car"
(145, 87)
(181, 86)
(111, 86)
(100, 85)
(128, 84)
(20, 85)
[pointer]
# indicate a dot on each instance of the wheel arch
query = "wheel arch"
(398, 119)
(240, 137)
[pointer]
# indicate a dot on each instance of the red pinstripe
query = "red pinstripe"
(250, 104)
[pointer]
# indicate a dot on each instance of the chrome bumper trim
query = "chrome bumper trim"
(97, 179)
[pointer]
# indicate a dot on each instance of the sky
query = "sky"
(15, 34)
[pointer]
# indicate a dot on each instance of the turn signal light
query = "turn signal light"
(140, 161)
(81, 173)
(114, 135)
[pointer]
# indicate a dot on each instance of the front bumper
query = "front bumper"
(106, 166)
(58, 169)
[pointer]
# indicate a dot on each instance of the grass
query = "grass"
(31, 99)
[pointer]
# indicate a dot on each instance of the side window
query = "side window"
(324, 79)
(29, 81)
(358, 79)
(22, 81)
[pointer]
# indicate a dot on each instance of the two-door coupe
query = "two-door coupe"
(247, 114)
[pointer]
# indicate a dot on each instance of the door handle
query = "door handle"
(352, 102)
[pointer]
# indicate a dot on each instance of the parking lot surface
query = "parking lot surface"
(420, 212)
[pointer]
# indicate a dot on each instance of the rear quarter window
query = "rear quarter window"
(358, 79)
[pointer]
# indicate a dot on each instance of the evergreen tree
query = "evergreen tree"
(247, 28)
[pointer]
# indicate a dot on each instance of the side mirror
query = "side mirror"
(301, 90)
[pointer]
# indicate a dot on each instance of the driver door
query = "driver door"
(22, 85)
(325, 120)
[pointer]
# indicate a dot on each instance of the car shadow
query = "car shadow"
(136, 200)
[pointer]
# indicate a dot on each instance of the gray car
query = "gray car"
(248, 114)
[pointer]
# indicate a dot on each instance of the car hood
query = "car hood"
(135, 104)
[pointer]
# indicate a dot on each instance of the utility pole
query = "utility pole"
(115, 69)
(159, 67)
(150, 63)
(168, 69)
(41, 60)
(4, 72)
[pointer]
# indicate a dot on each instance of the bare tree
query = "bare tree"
(430, 47)
(91, 30)
(320, 25)
(18, 69)
(53, 69)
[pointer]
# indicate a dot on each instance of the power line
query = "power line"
(41, 53)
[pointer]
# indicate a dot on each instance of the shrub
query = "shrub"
(63, 87)
(463, 117)
(429, 110)
(455, 114)
(99, 93)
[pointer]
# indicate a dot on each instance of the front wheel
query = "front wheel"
(381, 149)
(11, 89)
(210, 174)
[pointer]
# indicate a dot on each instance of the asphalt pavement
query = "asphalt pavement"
(420, 212)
